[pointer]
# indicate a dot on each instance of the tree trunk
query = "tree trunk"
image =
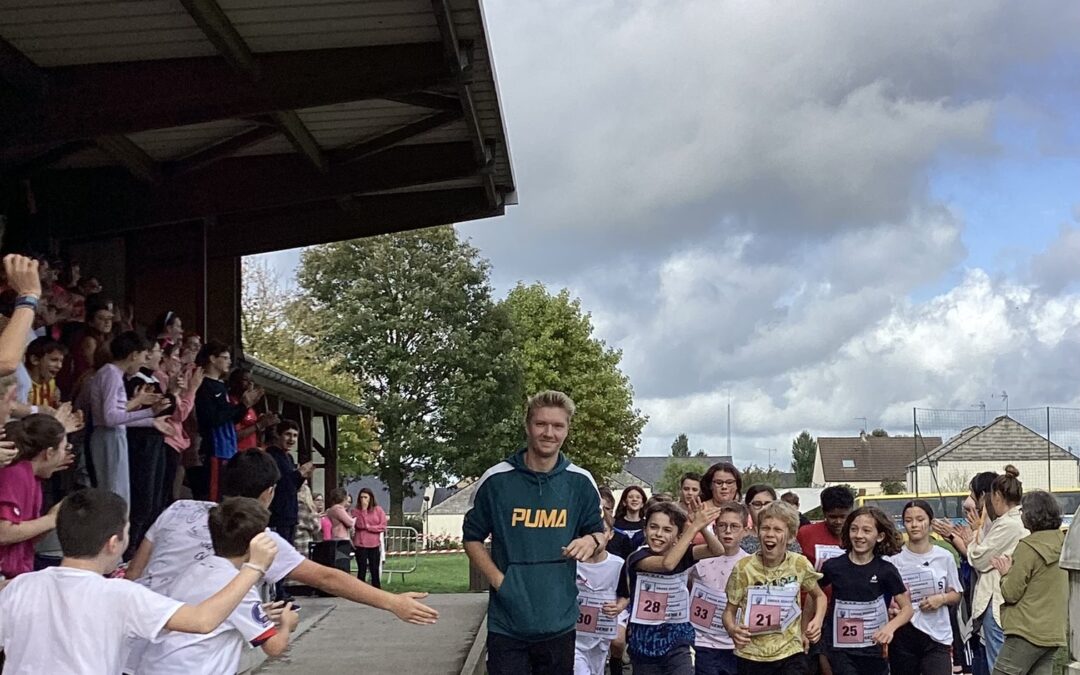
(396, 484)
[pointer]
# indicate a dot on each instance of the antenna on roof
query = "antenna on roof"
(1004, 396)
(863, 423)
(981, 405)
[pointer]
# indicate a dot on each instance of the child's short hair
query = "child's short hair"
(249, 474)
(673, 511)
(234, 522)
(42, 347)
(88, 519)
(658, 498)
(891, 543)
(781, 511)
(738, 508)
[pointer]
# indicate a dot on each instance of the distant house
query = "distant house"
(950, 466)
(864, 461)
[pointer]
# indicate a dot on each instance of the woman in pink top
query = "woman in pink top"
(370, 523)
(340, 521)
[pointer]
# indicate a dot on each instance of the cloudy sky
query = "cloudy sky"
(829, 210)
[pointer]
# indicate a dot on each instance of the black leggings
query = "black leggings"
(368, 558)
(913, 652)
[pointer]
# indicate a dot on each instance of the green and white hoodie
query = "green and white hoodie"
(530, 517)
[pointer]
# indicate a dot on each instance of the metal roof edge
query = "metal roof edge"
(272, 374)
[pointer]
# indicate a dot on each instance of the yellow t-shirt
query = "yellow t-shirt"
(795, 573)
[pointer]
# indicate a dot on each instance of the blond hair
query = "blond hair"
(781, 511)
(549, 399)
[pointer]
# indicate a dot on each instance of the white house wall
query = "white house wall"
(954, 476)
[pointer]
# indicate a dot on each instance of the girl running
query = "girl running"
(660, 634)
(857, 626)
(629, 513)
(930, 574)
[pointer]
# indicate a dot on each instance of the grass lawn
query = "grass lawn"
(447, 573)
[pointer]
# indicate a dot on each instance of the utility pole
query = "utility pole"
(729, 424)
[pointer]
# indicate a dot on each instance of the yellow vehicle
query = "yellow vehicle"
(951, 504)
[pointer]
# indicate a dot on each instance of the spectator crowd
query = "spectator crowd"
(118, 441)
(727, 579)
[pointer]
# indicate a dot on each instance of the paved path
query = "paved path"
(358, 639)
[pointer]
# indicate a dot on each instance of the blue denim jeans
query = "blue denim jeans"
(992, 637)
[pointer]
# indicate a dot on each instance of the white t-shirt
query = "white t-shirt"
(714, 573)
(181, 537)
(936, 573)
(67, 621)
(600, 578)
(218, 651)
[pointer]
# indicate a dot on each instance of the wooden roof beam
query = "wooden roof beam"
(132, 157)
(102, 201)
(87, 101)
(217, 28)
(424, 99)
(317, 223)
(391, 138)
(222, 149)
(458, 63)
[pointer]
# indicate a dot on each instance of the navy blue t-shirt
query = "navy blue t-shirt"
(651, 643)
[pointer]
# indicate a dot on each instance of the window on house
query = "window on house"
(847, 463)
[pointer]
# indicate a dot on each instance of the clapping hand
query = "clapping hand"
(1002, 564)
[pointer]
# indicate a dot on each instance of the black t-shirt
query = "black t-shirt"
(878, 578)
(629, 526)
(620, 545)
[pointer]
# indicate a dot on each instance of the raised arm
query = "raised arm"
(22, 276)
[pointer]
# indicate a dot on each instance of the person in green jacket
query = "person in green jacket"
(543, 516)
(1035, 590)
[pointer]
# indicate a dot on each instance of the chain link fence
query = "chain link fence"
(1043, 443)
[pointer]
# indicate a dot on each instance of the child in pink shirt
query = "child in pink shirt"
(42, 451)
(338, 513)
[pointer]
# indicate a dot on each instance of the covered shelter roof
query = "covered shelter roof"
(282, 123)
(278, 381)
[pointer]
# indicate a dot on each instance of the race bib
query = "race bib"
(707, 609)
(921, 583)
(823, 552)
(854, 623)
(660, 598)
(591, 618)
(771, 609)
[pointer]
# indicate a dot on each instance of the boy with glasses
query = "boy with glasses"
(713, 647)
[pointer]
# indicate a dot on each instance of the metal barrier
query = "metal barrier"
(400, 551)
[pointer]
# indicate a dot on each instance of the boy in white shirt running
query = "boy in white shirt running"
(603, 593)
(232, 523)
(71, 620)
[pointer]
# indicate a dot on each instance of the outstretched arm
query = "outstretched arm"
(405, 606)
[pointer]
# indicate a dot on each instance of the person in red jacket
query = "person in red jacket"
(370, 524)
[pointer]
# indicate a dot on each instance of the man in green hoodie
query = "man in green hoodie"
(543, 515)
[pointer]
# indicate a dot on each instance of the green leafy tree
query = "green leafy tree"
(700, 453)
(879, 433)
(680, 447)
(555, 346)
(411, 318)
(277, 329)
(893, 487)
(803, 455)
(754, 474)
(673, 472)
